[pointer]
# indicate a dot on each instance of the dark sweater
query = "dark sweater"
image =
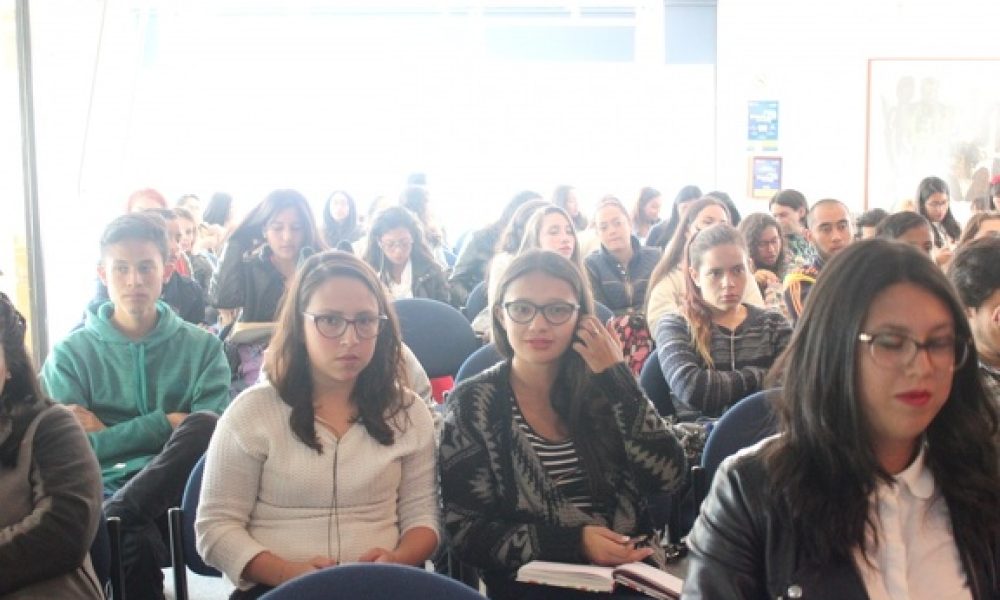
(622, 288)
(501, 510)
(742, 358)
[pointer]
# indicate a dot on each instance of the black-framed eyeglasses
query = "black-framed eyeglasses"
(333, 326)
(897, 350)
(556, 313)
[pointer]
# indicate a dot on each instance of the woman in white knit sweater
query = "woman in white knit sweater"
(332, 461)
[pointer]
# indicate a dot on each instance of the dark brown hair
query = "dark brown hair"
(575, 397)
(379, 392)
(22, 390)
(824, 467)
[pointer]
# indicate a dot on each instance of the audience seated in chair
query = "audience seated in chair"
(400, 255)
(718, 348)
(789, 208)
(885, 478)
(145, 386)
(975, 273)
(829, 232)
(50, 485)
(332, 459)
(258, 261)
(551, 454)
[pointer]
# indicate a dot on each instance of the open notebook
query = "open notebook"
(638, 576)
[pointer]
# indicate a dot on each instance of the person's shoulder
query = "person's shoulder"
(749, 466)
(478, 390)
(256, 401)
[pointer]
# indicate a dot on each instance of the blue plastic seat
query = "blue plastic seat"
(183, 551)
(479, 361)
(476, 301)
(372, 581)
(439, 335)
(652, 381)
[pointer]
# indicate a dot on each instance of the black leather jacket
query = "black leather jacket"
(743, 548)
(250, 281)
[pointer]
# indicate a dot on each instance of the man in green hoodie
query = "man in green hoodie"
(146, 387)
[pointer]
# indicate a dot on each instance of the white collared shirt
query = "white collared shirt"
(403, 289)
(916, 557)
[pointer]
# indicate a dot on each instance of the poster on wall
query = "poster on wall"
(932, 117)
(762, 121)
(765, 176)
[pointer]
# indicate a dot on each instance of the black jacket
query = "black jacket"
(428, 281)
(249, 281)
(470, 268)
(618, 287)
(743, 548)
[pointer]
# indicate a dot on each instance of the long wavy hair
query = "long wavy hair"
(824, 467)
(575, 397)
(251, 229)
(533, 232)
(379, 392)
(639, 219)
(513, 234)
(396, 217)
(674, 256)
(753, 228)
(694, 308)
(22, 392)
(927, 188)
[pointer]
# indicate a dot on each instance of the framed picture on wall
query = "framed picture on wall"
(928, 117)
(765, 176)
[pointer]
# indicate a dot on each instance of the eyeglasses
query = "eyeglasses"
(897, 351)
(524, 312)
(333, 326)
(937, 204)
(396, 244)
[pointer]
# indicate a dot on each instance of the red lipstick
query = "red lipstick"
(914, 397)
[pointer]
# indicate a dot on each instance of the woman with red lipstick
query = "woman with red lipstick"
(718, 348)
(332, 459)
(551, 454)
(884, 479)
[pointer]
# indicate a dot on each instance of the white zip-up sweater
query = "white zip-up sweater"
(266, 490)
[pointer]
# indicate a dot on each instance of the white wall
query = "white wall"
(812, 56)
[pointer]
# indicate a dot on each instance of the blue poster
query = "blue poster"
(762, 121)
(765, 176)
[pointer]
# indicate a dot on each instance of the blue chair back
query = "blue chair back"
(476, 301)
(652, 381)
(439, 335)
(373, 581)
(189, 504)
(747, 422)
(100, 553)
(479, 361)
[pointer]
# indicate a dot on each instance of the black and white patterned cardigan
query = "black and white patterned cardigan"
(501, 510)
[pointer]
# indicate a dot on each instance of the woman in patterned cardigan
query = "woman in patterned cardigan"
(551, 454)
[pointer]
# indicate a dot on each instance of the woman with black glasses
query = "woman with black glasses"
(332, 459)
(551, 454)
(883, 482)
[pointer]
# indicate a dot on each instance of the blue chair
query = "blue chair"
(106, 557)
(372, 581)
(745, 423)
(479, 361)
(183, 552)
(652, 381)
(476, 301)
(438, 334)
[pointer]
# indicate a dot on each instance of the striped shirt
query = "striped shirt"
(561, 464)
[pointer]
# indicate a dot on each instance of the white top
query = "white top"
(403, 289)
(265, 490)
(916, 557)
(667, 295)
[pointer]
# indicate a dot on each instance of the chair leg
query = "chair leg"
(117, 572)
(176, 517)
